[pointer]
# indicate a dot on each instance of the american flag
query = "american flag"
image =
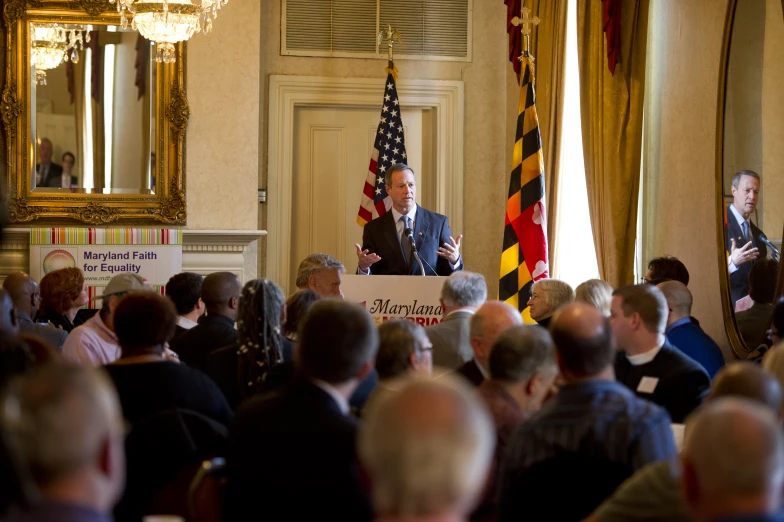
(388, 149)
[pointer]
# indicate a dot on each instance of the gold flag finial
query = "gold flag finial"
(527, 24)
(389, 35)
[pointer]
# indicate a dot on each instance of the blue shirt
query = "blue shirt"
(602, 417)
(692, 341)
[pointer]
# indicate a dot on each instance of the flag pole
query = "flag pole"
(526, 23)
(390, 35)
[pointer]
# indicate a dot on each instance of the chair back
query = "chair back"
(205, 498)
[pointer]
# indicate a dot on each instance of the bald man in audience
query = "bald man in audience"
(220, 292)
(64, 422)
(489, 321)
(321, 273)
(646, 362)
(25, 295)
(522, 372)
(426, 449)
(684, 334)
(591, 436)
(654, 492)
(733, 463)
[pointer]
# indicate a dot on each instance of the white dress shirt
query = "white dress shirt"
(643, 358)
(337, 397)
(184, 322)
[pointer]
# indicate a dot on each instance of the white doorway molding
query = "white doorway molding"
(446, 98)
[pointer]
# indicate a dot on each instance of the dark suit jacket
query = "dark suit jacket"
(694, 342)
(451, 340)
(431, 230)
(212, 332)
(739, 279)
(57, 181)
(682, 383)
(471, 371)
(55, 172)
(291, 456)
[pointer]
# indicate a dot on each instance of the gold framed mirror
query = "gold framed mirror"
(94, 127)
(749, 184)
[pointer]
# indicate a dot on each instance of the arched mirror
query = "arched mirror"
(750, 177)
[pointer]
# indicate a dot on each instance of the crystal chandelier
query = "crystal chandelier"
(50, 45)
(167, 22)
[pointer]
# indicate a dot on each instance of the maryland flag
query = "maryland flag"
(524, 258)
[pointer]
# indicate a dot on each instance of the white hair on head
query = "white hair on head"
(427, 447)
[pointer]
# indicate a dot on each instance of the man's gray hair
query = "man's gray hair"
(734, 446)
(520, 352)
(427, 447)
(397, 167)
(57, 418)
(312, 264)
(556, 292)
(464, 289)
(741, 173)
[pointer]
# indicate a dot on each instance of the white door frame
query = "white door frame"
(287, 92)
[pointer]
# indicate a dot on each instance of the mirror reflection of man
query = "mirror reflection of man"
(45, 170)
(742, 236)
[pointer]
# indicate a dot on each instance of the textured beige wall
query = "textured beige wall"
(490, 103)
(773, 123)
(222, 161)
(681, 147)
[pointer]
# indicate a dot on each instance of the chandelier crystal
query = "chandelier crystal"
(51, 44)
(167, 22)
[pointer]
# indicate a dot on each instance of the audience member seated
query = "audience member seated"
(547, 296)
(291, 455)
(654, 492)
(683, 334)
(773, 363)
(297, 305)
(147, 381)
(522, 372)
(94, 343)
(489, 321)
(589, 438)
(646, 362)
(596, 293)
(426, 449)
(666, 268)
(63, 293)
(775, 333)
(8, 320)
(753, 323)
(321, 273)
(462, 293)
(733, 463)
(15, 357)
(241, 369)
(403, 349)
(159, 400)
(64, 423)
(220, 292)
(25, 296)
(184, 290)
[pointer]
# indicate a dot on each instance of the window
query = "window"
(575, 254)
(430, 29)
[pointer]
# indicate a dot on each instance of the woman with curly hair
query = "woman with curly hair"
(63, 293)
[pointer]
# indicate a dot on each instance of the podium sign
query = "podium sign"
(388, 297)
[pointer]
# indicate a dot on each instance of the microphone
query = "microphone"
(762, 237)
(410, 235)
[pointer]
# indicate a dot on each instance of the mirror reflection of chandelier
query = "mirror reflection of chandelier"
(53, 43)
(167, 22)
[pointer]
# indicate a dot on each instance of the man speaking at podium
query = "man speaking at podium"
(390, 242)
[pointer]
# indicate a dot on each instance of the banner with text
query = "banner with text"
(388, 297)
(101, 253)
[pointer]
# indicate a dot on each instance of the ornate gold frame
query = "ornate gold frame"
(166, 206)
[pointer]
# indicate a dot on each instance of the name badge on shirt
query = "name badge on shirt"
(647, 384)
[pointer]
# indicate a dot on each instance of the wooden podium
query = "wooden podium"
(415, 298)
